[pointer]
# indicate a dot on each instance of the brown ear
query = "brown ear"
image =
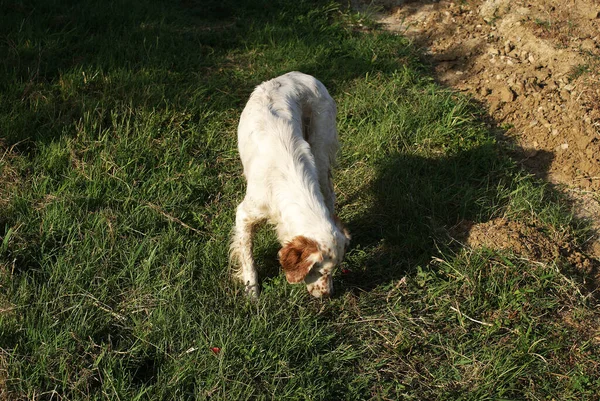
(343, 229)
(297, 257)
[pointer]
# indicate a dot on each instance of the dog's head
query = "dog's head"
(303, 259)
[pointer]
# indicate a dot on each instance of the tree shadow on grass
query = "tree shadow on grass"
(416, 201)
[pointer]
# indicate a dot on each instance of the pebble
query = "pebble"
(593, 14)
(506, 94)
(588, 45)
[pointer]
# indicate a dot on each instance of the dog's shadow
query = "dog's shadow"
(412, 204)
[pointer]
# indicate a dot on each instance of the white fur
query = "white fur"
(288, 176)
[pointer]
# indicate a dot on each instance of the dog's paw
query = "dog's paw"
(252, 290)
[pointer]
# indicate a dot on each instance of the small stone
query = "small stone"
(569, 87)
(588, 45)
(531, 59)
(583, 141)
(592, 14)
(519, 88)
(586, 183)
(564, 146)
(506, 94)
(494, 105)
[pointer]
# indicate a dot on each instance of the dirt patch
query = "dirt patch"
(586, 325)
(525, 241)
(503, 235)
(536, 66)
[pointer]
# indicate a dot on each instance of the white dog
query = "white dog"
(287, 140)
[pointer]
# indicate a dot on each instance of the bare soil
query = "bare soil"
(535, 65)
(528, 242)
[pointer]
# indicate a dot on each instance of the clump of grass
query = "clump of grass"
(578, 70)
(546, 24)
(120, 181)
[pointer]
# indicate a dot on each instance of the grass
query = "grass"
(578, 71)
(119, 181)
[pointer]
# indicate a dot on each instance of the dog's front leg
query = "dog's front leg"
(241, 249)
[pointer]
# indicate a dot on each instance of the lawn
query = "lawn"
(119, 179)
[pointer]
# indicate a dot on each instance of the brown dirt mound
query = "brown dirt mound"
(526, 241)
(534, 63)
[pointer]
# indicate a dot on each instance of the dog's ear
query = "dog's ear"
(343, 229)
(297, 257)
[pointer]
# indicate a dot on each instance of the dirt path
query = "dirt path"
(535, 65)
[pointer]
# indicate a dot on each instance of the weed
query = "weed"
(578, 71)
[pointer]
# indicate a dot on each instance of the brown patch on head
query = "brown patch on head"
(297, 258)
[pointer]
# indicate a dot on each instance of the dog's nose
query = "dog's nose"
(322, 288)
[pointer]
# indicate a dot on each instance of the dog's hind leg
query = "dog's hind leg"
(324, 146)
(241, 247)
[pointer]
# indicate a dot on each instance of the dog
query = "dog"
(288, 141)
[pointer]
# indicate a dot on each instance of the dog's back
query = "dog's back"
(285, 144)
(286, 97)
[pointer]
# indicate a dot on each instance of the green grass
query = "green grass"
(119, 179)
(578, 71)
